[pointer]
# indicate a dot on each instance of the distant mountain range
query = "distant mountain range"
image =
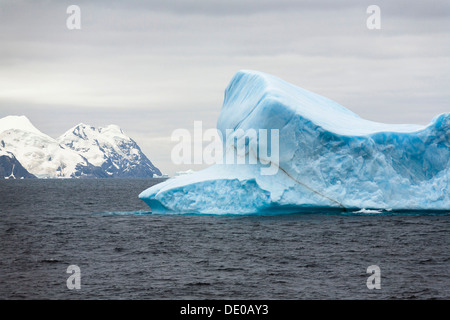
(82, 152)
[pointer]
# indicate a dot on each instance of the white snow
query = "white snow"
(99, 144)
(74, 153)
(40, 154)
(18, 123)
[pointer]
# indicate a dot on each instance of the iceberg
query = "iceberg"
(329, 157)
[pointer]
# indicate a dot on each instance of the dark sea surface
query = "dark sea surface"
(125, 252)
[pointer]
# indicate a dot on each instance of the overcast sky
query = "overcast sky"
(155, 66)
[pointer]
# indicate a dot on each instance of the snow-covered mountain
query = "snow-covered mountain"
(110, 149)
(82, 152)
(39, 153)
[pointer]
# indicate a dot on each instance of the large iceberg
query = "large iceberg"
(329, 157)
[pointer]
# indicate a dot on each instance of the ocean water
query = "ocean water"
(125, 252)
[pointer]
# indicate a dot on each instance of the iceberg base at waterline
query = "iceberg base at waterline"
(329, 157)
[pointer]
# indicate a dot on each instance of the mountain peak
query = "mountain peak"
(18, 123)
(112, 128)
(86, 131)
(84, 126)
(109, 148)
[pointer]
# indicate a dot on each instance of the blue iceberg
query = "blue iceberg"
(329, 157)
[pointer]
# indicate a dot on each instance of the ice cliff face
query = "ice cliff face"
(328, 157)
